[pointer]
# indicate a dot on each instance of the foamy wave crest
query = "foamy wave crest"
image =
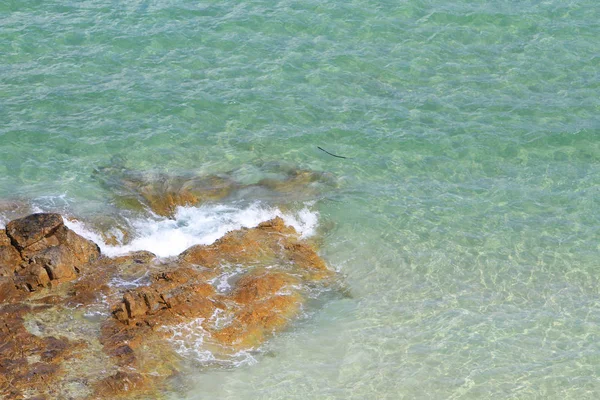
(196, 225)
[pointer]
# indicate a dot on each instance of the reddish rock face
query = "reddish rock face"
(29, 230)
(41, 250)
(265, 302)
(275, 266)
(271, 242)
(9, 256)
(265, 273)
(182, 292)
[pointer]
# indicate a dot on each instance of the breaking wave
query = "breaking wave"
(195, 225)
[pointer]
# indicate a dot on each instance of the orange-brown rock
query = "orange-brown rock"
(9, 255)
(261, 285)
(10, 259)
(254, 324)
(120, 385)
(29, 363)
(8, 290)
(237, 291)
(265, 302)
(271, 242)
(275, 263)
(48, 251)
(182, 292)
(29, 230)
(94, 283)
(134, 338)
(267, 294)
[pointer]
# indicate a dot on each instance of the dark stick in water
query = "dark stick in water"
(331, 154)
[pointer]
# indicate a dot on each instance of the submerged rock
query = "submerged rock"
(108, 327)
(163, 193)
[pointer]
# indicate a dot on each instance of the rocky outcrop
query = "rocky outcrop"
(38, 251)
(94, 284)
(25, 232)
(272, 242)
(179, 293)
(9, 255)
(237, 292)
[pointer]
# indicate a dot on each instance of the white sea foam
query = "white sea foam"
(189, 341)
(196, 225)
(222, 282)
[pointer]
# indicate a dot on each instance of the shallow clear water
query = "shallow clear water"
(465, 220)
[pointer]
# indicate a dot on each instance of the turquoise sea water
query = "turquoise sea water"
(465, 221)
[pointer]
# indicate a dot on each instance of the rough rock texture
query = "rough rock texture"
(38, 251)
(28, 361)
(9, 260)
(263, 302)
(9, 255)
(269, 291)
(271, 242)
(119, 384)
(94, 284)
(181, 292)
(106, 330)
(27, 231)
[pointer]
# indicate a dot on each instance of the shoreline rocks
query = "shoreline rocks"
(80, 325)
(41, 251)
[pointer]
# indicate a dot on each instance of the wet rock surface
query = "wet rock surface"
(39, 251)
(30, 363)
(79, 325)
